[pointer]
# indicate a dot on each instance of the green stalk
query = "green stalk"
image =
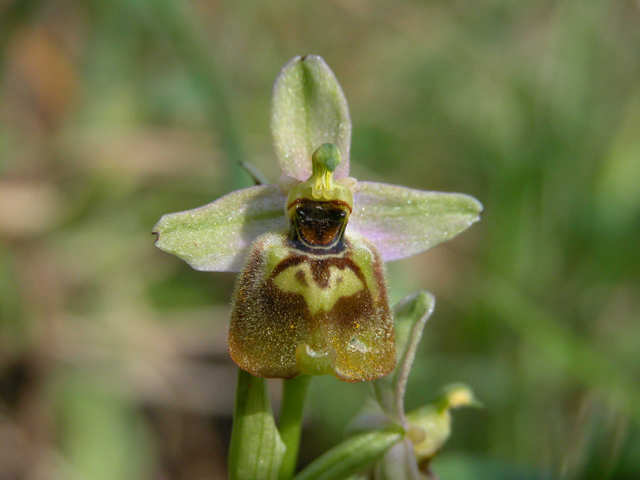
(294, 393)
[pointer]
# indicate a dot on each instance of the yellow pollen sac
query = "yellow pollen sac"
(320, 186)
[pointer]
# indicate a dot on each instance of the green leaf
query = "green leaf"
(411, 315)
(256, 450)
(402, 221)
(352, 455)
(216, 237)
(308, 109)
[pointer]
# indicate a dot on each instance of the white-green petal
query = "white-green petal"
(308, 108)
(216, 237)
(402, 221)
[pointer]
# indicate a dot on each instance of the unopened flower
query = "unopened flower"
(311, 298)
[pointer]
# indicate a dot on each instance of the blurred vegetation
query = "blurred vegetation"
(113, 360)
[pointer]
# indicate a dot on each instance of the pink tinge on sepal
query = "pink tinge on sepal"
(402, 222)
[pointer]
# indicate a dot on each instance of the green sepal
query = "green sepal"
(256, 449)
(216, 237)
(308, 109)
(403, 221)
(411, 315)
(353, 455)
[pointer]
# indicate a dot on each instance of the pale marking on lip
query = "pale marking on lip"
(342, 283)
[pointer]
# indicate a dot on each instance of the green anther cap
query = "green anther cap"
(327, 155)
(320, 185)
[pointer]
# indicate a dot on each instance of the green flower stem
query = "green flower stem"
(294, 392)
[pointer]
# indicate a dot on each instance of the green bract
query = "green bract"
(312, 294)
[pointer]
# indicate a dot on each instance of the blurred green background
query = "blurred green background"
(113, 360)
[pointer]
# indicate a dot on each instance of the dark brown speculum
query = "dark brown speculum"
(319, 224)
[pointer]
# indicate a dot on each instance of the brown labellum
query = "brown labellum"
(298, 312)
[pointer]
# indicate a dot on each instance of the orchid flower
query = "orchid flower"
(312, 298)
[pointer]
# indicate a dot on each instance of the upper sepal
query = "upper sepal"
(216, 237)
(308, 109)
(402, 221)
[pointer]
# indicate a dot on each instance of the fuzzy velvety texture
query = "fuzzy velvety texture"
(296, 312)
